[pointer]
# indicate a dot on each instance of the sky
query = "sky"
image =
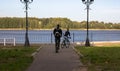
(100, 10)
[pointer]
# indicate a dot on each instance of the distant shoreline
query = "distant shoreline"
(63, 29)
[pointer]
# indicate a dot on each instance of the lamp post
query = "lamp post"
(26, 2)
(87, 3)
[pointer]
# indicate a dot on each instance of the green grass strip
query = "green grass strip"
(101, 58)
(16, 59)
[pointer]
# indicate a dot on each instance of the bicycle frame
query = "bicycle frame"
(65, 42)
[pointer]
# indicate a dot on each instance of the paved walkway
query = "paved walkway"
(47, 60)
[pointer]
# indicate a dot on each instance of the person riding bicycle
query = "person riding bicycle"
(57, 34)
(67, 33)
(66, 37)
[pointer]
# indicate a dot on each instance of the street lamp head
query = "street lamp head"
(26, 1)
(91, 0)
(30, 0)
(87, 2)
(83, 0)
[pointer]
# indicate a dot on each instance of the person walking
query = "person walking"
(66, 37)
(57, 34)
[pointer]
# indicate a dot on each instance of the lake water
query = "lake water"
(46, 36)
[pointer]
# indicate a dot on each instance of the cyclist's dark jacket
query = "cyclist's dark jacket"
(67, 33)
(57, 33)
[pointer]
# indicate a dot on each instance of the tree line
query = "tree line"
(49, 23)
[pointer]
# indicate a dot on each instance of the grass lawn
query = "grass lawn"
(100, 58)
(16, 59)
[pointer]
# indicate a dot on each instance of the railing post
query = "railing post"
(51, 37)
(4, 42)
(14, 41)
(73, 37)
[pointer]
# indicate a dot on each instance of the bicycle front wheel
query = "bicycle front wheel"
(67, 44)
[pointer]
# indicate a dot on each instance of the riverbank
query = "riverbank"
(106, 43)
(101, 43)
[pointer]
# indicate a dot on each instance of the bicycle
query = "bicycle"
(65, 42)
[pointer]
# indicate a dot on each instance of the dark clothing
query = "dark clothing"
(67, 33)
(57, 33)
(57, 43)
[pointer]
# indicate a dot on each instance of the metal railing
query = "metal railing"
(6, 41)
(49, 37)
